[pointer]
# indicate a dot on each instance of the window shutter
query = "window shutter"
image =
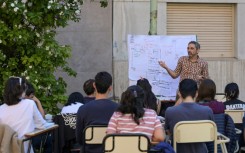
(212, 23)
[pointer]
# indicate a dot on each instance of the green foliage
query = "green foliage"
(103, 3)
(28, 47)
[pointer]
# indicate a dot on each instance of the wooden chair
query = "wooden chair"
(126, 143)
(198, 131)
(236, 115)
(220, 97)
(94, 134)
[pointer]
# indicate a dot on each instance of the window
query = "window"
(212, 23)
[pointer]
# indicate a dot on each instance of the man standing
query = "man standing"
(188, 110)
(189, 67)
(96, 112)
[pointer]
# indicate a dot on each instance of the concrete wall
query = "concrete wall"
(97, 46)
(91, 42)
(132, 17)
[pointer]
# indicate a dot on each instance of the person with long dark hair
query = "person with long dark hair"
(132, 117)
(233, 103)
(231, 94)
(19, 113)
(150, 100)
(75, 100)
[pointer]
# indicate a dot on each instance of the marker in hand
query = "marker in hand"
(162, 64)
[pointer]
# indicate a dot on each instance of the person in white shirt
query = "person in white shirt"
(75, 101)
(20, 114)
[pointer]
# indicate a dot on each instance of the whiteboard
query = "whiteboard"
(144, 52)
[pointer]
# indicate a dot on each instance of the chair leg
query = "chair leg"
(242, 150)
(29, 146)
(237, 146)
(223, 148)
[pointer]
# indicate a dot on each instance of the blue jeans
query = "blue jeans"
(36, 142)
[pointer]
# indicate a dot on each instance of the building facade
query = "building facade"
(218, 24)
(99, 40)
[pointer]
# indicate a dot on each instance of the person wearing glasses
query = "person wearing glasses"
(189, 67)
(21, 114)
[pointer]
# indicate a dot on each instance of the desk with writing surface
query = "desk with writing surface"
(38, 132)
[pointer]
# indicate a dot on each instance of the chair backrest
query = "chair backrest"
(236, 115)
(195, 131)
(93, 134)
(220, 97)
(126, 143)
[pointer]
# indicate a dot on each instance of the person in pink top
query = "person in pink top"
(132, 117)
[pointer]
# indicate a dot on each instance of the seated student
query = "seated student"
(233, 103)
(188, 110)
(206, 94)
(75, 101)
(36, 141)
(30, 94)
(150, 101)
(20, 114)
(89, 90)
(96, 112)
(132, 117)
(225, 125)
(232, 93)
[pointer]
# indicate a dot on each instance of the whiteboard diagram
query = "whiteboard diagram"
(144, 52)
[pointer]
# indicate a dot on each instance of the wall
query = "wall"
(91, 42)
(133, 17)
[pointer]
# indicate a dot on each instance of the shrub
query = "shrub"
(28, 47)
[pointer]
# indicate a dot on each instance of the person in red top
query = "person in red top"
(206, 94)
(189, 67)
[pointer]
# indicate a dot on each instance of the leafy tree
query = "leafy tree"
(28, 47)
